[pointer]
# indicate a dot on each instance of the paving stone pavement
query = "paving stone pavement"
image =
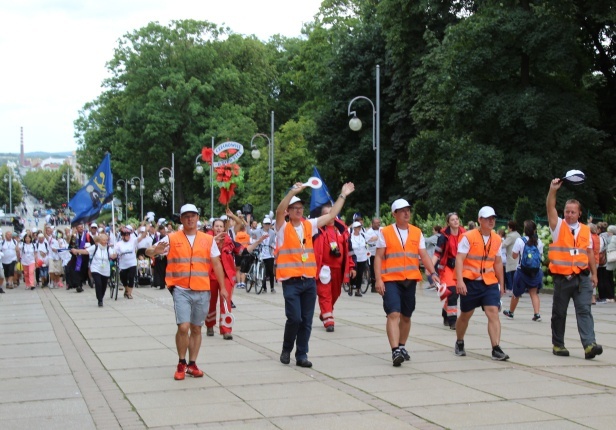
(67, 364)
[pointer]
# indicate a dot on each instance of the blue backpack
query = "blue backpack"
(530, 260)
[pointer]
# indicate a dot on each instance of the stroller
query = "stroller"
(144, 272)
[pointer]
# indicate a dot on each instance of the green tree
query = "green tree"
(523, 211)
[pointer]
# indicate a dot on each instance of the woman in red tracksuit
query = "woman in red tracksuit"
(445, 254)
(228, 250)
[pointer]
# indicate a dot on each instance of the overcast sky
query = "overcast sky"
(54, 53)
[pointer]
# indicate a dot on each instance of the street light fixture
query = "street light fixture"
(171, 179)
(9, 177)
(141, 188)
(125, 181)
(66, 177)
(256, 154)
(355, 125)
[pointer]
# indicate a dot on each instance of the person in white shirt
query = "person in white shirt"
(525, 279)
(100, 255)
(10, 256)
(372, 236)
(126, 249)
(359, 252)
(267, 253)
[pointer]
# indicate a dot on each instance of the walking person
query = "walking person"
(574, 270)
(297, 269)
(444, 259)
(28, 261)
(528, 276)
(159, 263)
(396, 267)
(77, 267)
(100, 264)
(359, 253)
(10, 256)
(372, 236)
(190, 255)
(126, 250)
(480, 280)
(511, 264)
(268, 247)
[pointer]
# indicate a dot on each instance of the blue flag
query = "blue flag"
(89, 200)
(319, 197)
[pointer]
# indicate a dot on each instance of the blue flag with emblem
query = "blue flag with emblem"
(319, 196)
(89, 200)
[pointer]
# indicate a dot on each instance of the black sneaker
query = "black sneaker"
(508, 314)
(405, 354)
(459, 348)
(592, 350)
(273, 290)
(397, 357)
(1, 291)
(537, 317)
(561, 351)
(498, 354)
(285, 357)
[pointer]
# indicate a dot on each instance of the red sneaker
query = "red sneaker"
(194, 371)
(180, 374)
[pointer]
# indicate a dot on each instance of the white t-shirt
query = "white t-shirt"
(27, 254)
(127, 257)
(268, 245)
(402, 235)
(518, 248)
(372, 236)
(358, 243)
(8, 251)
(146, 242)
(576, 228)
(99, 263)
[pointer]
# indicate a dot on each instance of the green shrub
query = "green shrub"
(523, 211)
(468, 211)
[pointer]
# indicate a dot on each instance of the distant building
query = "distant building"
(51, 163)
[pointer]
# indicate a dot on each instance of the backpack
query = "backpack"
(530, 260)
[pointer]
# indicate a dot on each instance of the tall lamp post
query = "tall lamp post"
(199, 170)
(161, 179)
(66, 177)
(355, 125)
(9, 177)
(141, 188)
(256, 154)
(125, 181)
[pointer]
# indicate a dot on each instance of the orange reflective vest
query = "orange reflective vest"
(479, 261)
(400, 263)
(243, 238)
(296, 258)
(189, 267)
(567, 255)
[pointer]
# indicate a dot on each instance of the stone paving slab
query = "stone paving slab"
(64, 363)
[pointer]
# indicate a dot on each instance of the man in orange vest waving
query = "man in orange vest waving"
(396, 268)
(296, 268)
(572, 263)
(480, 280)
(190, 253)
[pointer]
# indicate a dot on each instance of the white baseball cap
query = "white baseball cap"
(356, 224)
(266, 220)
(486, 212)
(295, 199)
(400, 204)
(161, 221)
(94, 225)
(188, 208)
(223, 218)
(142, 229)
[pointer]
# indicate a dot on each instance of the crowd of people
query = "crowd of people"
(202, 262)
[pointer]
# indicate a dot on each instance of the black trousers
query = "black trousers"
(360, 268)
(268, 263)
(100, 284)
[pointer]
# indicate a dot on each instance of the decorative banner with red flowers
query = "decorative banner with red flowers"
(229, 176)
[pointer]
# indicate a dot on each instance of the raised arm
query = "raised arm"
(550, 202)
(281, 210)
(347, 189)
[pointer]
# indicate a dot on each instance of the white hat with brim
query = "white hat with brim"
(188, 208)
(266, 221)
(486, 212)
(400, 204)
(356, 224)
(295, 199)
(94, 225)
(224, 218)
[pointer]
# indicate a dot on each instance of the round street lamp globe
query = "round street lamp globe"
(255, 153)
(119, 188)
(355, 124)
(133, 187)
(161, 180)
(199, 169)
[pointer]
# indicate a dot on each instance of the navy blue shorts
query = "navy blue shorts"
(399, 298)
(479, 294)
(522, 282)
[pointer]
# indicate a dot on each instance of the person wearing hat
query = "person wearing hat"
(77, 267)
(334, 265)
(480, 280)
(267, 253)
(190, 254)
(574, 270)
(297, 269)
(359, 253)
(396, 267)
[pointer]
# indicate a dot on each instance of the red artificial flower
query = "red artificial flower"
(223, 154)
(232, 151)
(207, 154)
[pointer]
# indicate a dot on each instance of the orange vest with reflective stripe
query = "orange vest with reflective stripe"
(289, 263)
(400, 263)
(567, 255)
(243, 238)
(479, 261)
(189, 267)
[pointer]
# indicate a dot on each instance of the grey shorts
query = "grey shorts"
(190, 306)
